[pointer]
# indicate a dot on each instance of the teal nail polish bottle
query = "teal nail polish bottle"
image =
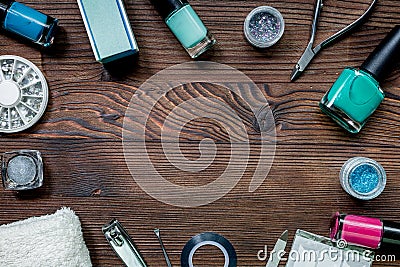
(356, 94)
(186, 25)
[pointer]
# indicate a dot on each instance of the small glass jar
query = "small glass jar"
(363, 178)
(264, 27)
(22, 170)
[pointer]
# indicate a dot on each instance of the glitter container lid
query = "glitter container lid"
(22, 170)
(264, 26)
(23, 94)
(363, 178)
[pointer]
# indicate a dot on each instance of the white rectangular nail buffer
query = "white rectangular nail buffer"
(108, 28)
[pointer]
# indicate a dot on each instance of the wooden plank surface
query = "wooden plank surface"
(80, 135)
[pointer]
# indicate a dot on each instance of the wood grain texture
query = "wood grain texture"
(80, 135)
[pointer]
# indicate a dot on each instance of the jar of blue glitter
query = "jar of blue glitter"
(363, 178)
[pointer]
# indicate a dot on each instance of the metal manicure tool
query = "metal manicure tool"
(280, 246)
(122, 244)
(157, 232)
(311, 52)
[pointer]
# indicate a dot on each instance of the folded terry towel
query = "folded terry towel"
(48, 241)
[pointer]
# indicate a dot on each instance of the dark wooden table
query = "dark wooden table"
(80, 135)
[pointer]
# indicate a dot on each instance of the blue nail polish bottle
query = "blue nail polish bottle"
(27, 22)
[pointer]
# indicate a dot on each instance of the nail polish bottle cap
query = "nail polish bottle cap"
(4, 5)
(384, 58)
(166, 7)
(391, 233)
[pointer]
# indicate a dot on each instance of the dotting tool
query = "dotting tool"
(157, 232)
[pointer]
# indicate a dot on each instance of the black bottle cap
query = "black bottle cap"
(384, 58)
(391, 233)
(166, 7)
(4, 5)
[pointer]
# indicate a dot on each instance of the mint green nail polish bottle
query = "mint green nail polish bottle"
(186, 25)
(356, 94)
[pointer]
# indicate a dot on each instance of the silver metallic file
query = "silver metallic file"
(280, 246)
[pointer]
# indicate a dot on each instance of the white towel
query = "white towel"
(48, 241)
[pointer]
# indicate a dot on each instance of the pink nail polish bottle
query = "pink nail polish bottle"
(364, 231)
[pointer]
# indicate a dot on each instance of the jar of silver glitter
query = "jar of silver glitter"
(22, 170)
(264, 26)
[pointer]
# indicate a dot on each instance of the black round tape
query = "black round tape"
(208, 239)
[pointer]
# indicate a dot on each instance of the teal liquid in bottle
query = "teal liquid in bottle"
(352, 99)
(186, 25)
(356, 94)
